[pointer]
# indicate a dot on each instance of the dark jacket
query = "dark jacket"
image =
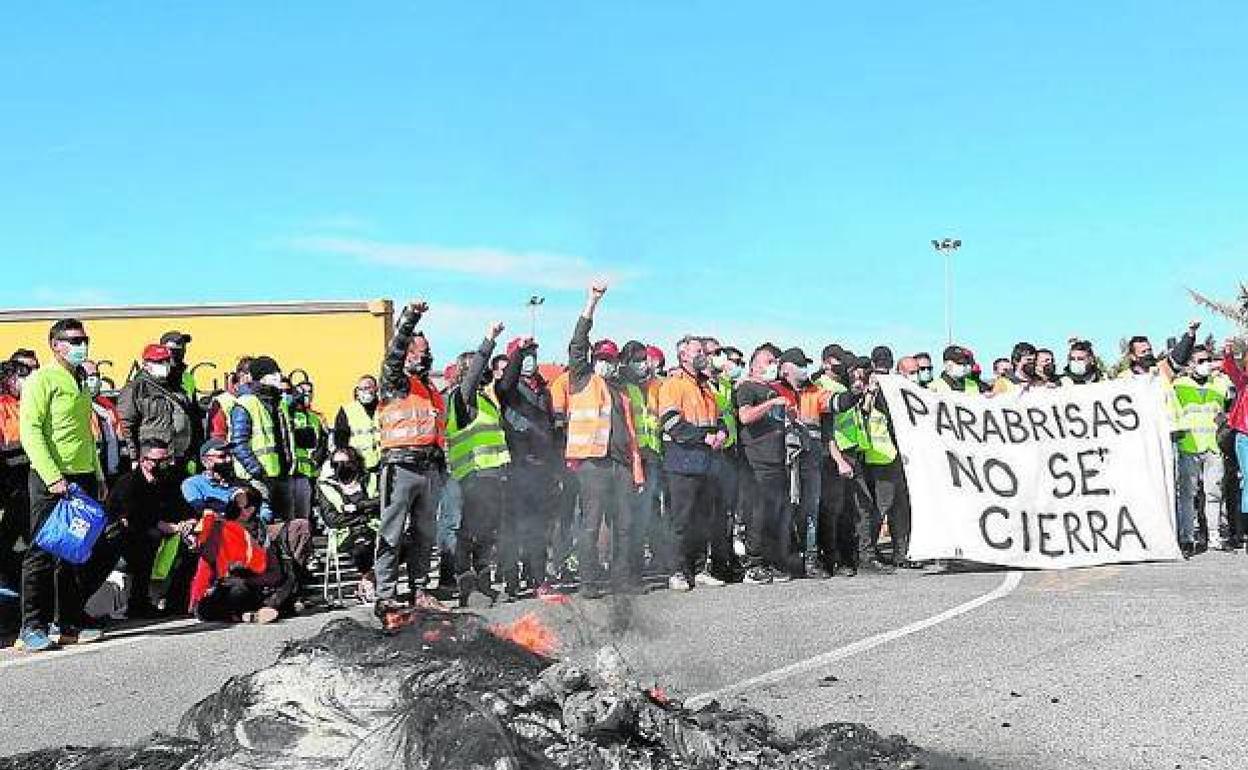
(150, 410)
(529, 416)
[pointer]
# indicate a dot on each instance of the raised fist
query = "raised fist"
(597, 289)
(419, 306)
(1193, 325)
(496, 329)
(527, 343)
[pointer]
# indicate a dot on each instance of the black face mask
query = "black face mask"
(224, 470)
(346, 472)
(420, 366)
(1029, 371)
(1144, 363)
(1050, 370)
(179, 356)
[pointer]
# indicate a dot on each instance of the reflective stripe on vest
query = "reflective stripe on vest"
(416, 420)
(589, 420)
(878, 449)
(365, 434)
(480, 445)
(263, 437)
(647, 423)
(1199, 407)
(847, 430)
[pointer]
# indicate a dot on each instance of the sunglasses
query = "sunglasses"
(76, 340)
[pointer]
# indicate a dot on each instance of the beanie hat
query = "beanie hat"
(263, 365)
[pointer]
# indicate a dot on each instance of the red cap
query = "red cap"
(606, 349)
(156, 353)
(514, 345)
(653, 351)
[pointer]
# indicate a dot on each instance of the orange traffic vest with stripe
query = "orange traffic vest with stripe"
(416, 420)
(589, 425)
(693, 400)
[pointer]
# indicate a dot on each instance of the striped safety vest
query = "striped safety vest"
(878, 447)
(365, 433)
(480, 445)
(646, 421)
(264, 436)
(1199, 407)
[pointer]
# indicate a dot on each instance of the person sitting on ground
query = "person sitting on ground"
(148, 507)
(238, 579)
(350, 501)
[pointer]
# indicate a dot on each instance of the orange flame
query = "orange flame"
(530, 633)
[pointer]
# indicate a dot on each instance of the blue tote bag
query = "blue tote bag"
(73, 526)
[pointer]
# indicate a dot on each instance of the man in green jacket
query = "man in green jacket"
(57, 437)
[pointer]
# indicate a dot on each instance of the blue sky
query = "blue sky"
(757, 170)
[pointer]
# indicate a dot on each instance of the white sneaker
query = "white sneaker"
(679, 583)
(708, 580)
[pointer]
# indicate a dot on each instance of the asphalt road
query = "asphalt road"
(1114, 667)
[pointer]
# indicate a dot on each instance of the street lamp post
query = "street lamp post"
(534, 303)
(946, 247)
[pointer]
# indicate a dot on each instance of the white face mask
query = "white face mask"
(158, 371)
(771, 372)
(915, 377)
(733, 371)
(1078, 367)
(605, 369)
(719, 361)
(1203, 369)
(528, 365)
(272, 380)
(956, 371)
(365, 396)
(93, 384)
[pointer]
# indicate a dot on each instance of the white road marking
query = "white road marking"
(818, 662)
(131, 636)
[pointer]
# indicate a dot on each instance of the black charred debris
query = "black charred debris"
(447, 694)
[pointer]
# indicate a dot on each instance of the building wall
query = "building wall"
(335, 342)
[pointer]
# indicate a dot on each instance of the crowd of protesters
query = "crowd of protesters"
(620, 474)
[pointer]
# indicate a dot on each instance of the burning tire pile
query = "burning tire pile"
(447, 691)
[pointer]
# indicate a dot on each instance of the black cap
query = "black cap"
(957, 355)
(861, 362)
(832, 351)
(262, 365)
(174, 337)
(212, 445)
(795, 356)
(882, 357)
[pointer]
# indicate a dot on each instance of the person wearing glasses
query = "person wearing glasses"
(55, 420)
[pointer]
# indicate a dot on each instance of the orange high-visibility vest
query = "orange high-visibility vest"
(652, 393)
(693, 400)
(589, 425)
(416, 420)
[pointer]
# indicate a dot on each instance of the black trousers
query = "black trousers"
(14, 522)
(485, 503)
(770, 532)
(892, 498)
(522, 533)
(694, 501)
(724, 468)
(138, 545)
(51, 588)
(852, 528)
(607, 492)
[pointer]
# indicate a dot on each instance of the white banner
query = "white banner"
(1048, 478)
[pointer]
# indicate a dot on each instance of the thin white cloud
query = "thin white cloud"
(76, 296)
(527, 268)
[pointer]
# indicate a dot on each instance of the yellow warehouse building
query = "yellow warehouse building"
(333, 342)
